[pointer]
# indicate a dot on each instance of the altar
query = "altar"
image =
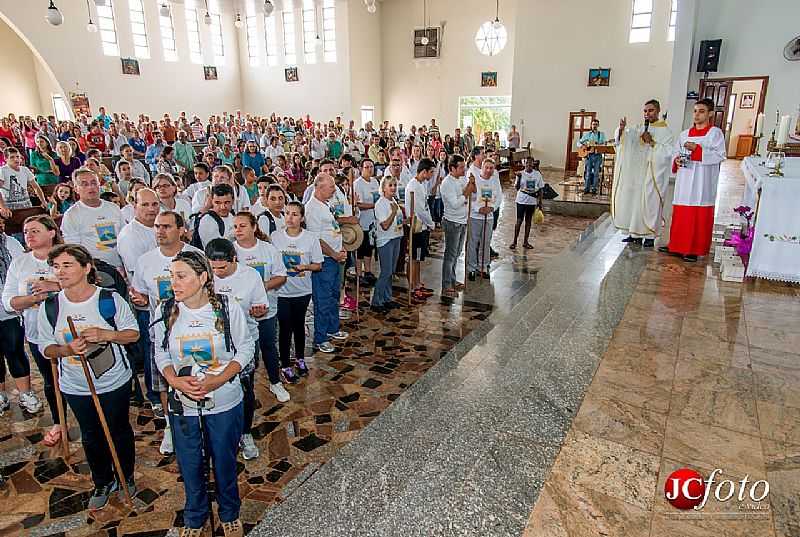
(776, 238)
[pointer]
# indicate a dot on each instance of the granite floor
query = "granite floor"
(345, 392)
(699, 373)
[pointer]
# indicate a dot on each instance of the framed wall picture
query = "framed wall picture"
(489, 79)
(748, 100)
(80, 103)
(210, 72)
(291, 74)
(600, 76)
(130, 66)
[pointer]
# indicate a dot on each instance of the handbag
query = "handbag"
(538, 216)
(548, 193)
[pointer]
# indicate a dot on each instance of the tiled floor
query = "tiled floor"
(383, 357)
(699, 373)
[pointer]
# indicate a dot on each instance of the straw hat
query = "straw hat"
(352, 236)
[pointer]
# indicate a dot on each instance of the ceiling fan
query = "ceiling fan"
(792, 50)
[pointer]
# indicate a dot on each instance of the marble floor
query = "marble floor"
(345, 392)
(701, 374)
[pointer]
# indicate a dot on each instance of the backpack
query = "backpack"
(108, 277)
(166, 311)
(196, 241)
(272, 226)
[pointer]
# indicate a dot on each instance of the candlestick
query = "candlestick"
(759, 125)
(783, 131)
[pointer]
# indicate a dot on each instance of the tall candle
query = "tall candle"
(760, 125)
(783, 130)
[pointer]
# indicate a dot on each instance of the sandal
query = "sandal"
(512, 246)
(528, 246)
(53, 437)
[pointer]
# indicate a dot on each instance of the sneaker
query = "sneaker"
(249, 448)
(485, 275)
(339, 336)
(471, 276)
(289, 376)
(132, 490)
(158, 410)
(344, 315)
(29, 402)
(166, 443)
(302, 368)
(690, 258)
(350, 303)
(5, 404)
(649, 243)
(325, 347)
(391, 305)
(279, 392)
(493, 254)
(101, 495)
(233, 529)
(380, 310)
(190, 532)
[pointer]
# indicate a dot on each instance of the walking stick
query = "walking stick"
(410, 248)
(102, 416)
(483, 234)
(61, 414)
(466, 243)
(355, 256)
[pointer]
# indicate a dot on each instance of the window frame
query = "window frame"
(104, 15)
(329, 31)
(169, 53)
(193, 27)
(251, 31)
(672, 25)
(140, 51)
(638, 30)
(271, 39)
(217, 38)
(288, 26)
(309, 20)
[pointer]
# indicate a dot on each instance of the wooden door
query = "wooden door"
(719, 92)
(579, 123)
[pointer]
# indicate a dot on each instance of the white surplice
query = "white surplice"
(696, 182)
(641, 177)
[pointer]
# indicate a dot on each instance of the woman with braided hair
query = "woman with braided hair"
(202, 345)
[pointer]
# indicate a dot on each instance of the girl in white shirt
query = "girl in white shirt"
(301, 254)
(101, 341)
(253, 251)
(201, 347)
(29, 281)
(388, 232)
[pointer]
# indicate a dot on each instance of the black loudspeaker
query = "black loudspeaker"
(708, 62)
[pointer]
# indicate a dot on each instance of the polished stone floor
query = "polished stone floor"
(343, 394)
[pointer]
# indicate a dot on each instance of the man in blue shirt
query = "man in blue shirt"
(154, 152)
(252, 158)
(591, 172)
(104, 118)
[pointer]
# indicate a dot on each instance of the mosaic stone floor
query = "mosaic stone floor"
(699, 373)
(44, 495)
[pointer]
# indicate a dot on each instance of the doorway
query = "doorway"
(737, 103)
(579, 123)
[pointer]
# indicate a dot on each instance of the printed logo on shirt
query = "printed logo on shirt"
(530, 185)
(290, 261)
(198, 349)
(375, 197)
(399, 221)
(338, 209)
(106, 236)
(486, 194)
(164, 286)
(260, 268)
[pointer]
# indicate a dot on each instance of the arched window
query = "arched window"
(491, 38)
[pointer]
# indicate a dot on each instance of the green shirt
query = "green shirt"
(334, 149)
(41, 169)
(184, 154)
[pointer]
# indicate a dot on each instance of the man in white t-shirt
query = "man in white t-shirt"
(138, 237)
(417, 194)
(222, 175)
(529, 186)
(484, 201)
(220, 212)
(138, 170)
(320, 219)
(201, 175)
(15, 179)
(93, 223)
(455, 189)
(270, 219)
(368, 191)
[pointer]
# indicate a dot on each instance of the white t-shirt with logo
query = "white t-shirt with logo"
(267, 261)
(321, 222)
(367, 192)
(300, 250)
(245, 288)
(241, 199)
(86, 315)
(95, 228)
(528, 184)
(488, 190)
(135, 240)
(14, 186)
(209, 228)
(382, 211)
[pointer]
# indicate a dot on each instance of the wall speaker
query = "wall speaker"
(708, 62)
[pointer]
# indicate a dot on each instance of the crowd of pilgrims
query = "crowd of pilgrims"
(212, 240)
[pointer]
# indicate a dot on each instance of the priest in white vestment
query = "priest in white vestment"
(641, 176)
(698, 154)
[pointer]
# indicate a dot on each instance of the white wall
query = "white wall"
(753, 38)
(744, 119)
(561, 41)
(366, 48)
(413, 94)
(20, 87)
(76, 60)
(323, 90)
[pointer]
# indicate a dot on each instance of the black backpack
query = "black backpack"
(272, 226)
(108, 277)
(196, 218)
(166, 311)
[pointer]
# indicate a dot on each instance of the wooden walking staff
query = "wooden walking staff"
(60, 407)
(483, 234)
(355, 253)
(410, 248)
(466, 242)
(102, 416)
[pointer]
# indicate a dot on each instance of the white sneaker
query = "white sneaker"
(166, 443)
(279, 392)
(339, 336)
(29, 402)
(5, 404)
(249, 448)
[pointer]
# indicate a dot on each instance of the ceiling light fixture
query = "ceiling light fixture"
(207, 16)
(91, 27)
(497, 24)
(164, 9)
(53, 15)
(269, 7)
(100, 3)
(238, 22)
(371, 7)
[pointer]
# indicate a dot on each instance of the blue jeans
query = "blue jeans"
(222, 433)
(387, 257)
(267, 335)
(591, 174)
(325, 294)
(143, 320)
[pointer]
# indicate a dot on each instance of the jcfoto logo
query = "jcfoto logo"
(686, 489)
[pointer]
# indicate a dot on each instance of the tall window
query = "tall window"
(641, 21)
(168, 37)
(329, 30)
(138, 29)
(216, 37)
(193, 33)
(309, 31)
(271, 39)
(673, 21)
(367, 114)
(289, 52)
(252, 39)
(108, 29)
(60, 108)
